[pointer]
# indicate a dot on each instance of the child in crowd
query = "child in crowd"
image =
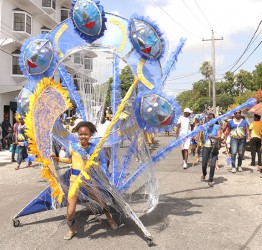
(80, 153)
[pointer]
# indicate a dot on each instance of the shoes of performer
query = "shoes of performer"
(113, 224)
(184, 165)
(239, 169)
(69, 235)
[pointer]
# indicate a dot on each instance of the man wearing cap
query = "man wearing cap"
(183, 128)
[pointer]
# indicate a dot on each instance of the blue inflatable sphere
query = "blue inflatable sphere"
(38, 56)
(145, 39)
(87, 17)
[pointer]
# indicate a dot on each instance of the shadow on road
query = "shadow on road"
(47, 220)
(252, 236)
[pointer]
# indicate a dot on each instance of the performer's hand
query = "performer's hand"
(54, 157)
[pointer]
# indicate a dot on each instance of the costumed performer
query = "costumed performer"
(21, 141)
(79, 155)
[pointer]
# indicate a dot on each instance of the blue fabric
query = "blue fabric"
(89, 19)
(41, 203)
(175, 143)
(115, 101)
(37, 61)
(171, 63)
(160, 106)
(213, 130)
(146, 37)
(44, 201)
(38, 56)
(83, 151)
(232, 125)
(75, 171)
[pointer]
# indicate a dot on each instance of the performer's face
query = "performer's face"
(84, 135)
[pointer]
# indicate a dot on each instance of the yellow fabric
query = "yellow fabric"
(256, 129)
(59, 33)
(77, 162)
(91, 161)
(141, 76)
(17, 117)
(33, 149)
(148, 137)
(65, 160)
(124, 32)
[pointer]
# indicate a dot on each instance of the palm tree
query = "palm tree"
(206, 71)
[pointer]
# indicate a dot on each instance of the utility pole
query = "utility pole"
(213, 67)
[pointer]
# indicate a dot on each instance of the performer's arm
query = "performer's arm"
(63, 160)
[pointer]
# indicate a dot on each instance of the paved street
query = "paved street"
(190, 214)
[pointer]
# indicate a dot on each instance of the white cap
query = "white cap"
(188, 110)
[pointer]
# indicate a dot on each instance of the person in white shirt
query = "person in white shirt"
(183, 128)
(102, 127)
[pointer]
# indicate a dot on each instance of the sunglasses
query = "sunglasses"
(237, 113)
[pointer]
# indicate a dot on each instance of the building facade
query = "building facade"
(20, 20)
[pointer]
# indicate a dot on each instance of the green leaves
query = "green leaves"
(126, 78)
(233, 89)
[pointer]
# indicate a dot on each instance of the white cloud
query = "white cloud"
(227, 17)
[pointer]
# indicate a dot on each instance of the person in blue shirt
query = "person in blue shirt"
(238, 128)
(212, 137)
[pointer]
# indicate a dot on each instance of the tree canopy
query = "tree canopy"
(127, 78)
(232, 90)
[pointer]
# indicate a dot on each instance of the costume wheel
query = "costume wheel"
(149, 241)
(16, 223)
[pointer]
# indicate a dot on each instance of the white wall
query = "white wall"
(8, 83)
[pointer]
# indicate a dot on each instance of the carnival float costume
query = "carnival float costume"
(140, 43)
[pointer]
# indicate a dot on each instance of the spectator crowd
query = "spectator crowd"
(233, 134)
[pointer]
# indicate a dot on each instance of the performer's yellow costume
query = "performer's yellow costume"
(78, 158)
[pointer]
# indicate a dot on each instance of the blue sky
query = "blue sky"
(234, 20)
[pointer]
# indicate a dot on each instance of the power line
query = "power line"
(180, 83)
(10, 32)
(202, 12)
(183, 76)
(247, 47)
(8, 35)
(234, 63)
(194, 14)
(247, 57)
(155, 3)
(6, 52)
